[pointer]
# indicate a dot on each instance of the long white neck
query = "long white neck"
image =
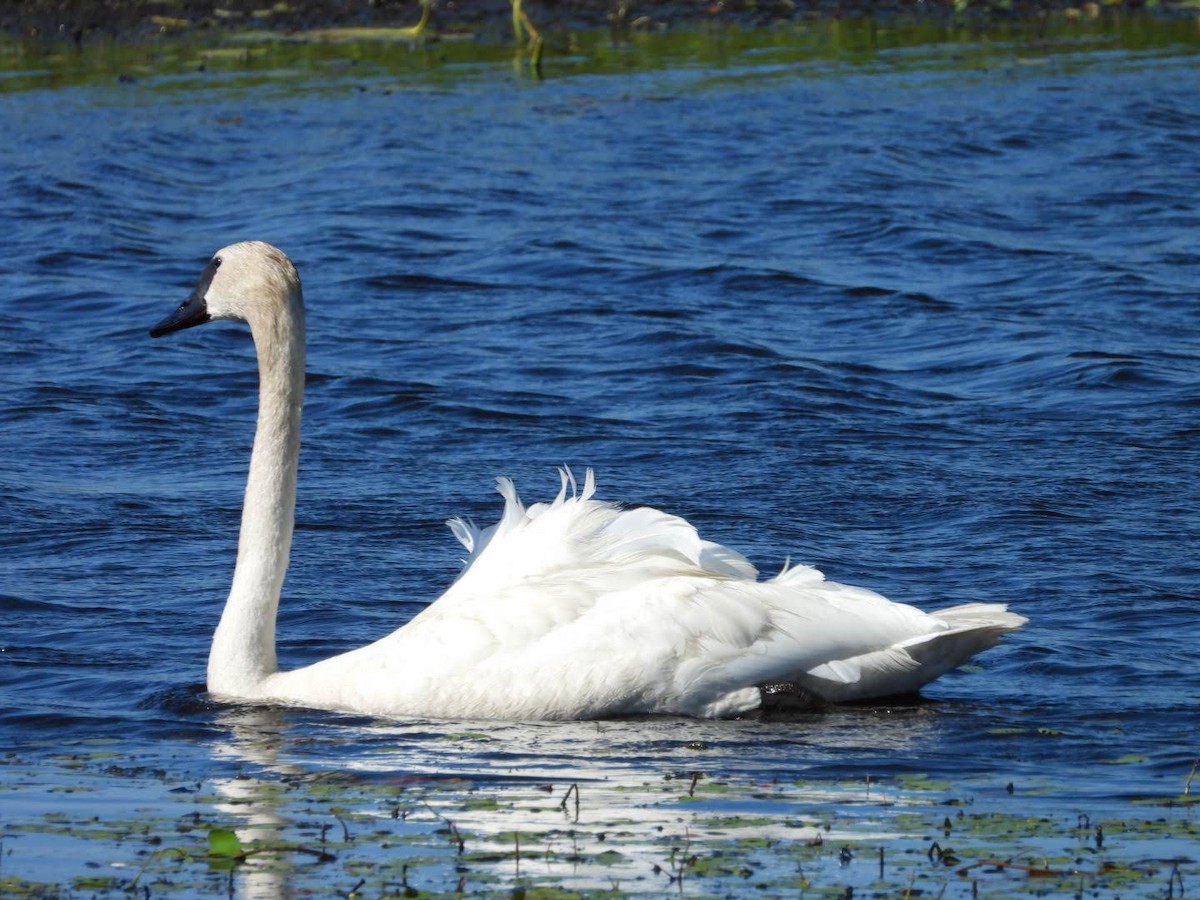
(243, 648)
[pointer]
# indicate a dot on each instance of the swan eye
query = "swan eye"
(216, 262)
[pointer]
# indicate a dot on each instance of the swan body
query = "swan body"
(577, 608)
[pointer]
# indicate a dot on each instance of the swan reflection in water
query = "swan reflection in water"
(578, 789)
(575, 609)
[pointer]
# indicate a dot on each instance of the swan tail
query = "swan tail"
(907, 666)
(981, 615)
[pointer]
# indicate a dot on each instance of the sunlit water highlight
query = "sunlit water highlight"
(930, 326)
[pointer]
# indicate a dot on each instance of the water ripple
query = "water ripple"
(936, 335)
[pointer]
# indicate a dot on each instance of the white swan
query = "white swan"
(573, 609)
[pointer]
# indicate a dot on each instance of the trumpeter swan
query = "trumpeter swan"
(573, 609)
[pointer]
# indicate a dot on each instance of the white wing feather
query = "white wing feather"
(578, 608)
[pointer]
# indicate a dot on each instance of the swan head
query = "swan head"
(244, 282)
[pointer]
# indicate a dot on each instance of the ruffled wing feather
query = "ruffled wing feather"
(578, 539)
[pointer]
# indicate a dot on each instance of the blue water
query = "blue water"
(933, 329)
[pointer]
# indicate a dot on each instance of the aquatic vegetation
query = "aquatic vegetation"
(398, 836)
(397, 55)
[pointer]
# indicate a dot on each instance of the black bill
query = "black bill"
(193, 310)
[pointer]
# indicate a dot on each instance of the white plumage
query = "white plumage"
(573, 609)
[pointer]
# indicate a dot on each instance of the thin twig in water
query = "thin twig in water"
(132, 886)
(319, 855)
(686, 859)
(345, 830)
(696, 776)
(1033, 871)
(567, 796)
(1175, 876)
(1187, 785)
(451, 827)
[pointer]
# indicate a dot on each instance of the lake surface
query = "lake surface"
(920, 311)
